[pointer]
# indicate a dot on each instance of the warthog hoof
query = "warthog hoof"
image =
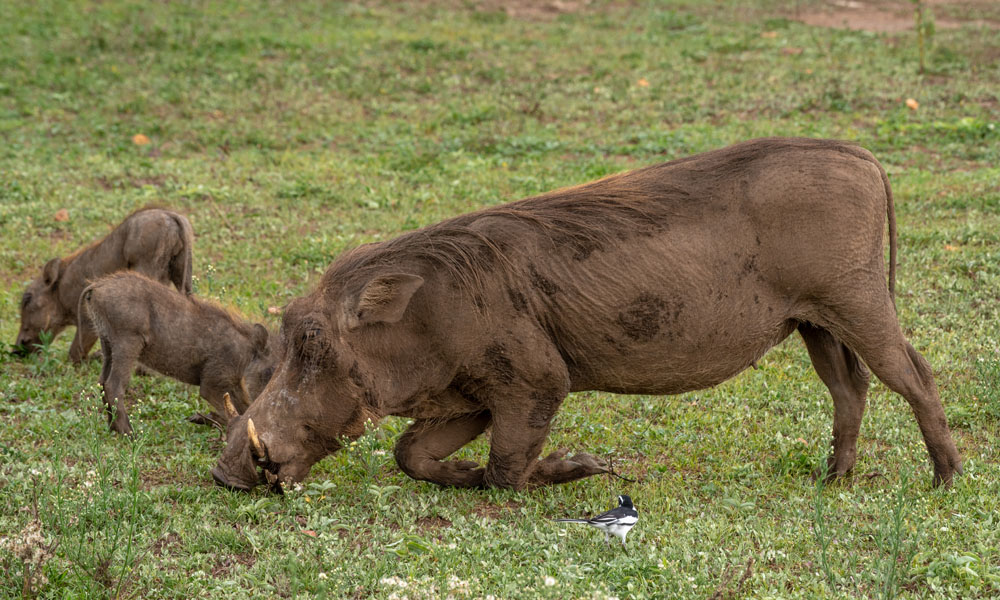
(554, 468)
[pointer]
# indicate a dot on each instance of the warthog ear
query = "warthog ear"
(50, 272)
(383, 300)
(259, 339)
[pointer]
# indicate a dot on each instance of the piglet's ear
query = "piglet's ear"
(51, 270)
(259, 339)
(383, 300)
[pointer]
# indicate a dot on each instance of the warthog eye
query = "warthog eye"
(313, 346)
(25, 300)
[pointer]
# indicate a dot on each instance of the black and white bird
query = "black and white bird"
(617, 521)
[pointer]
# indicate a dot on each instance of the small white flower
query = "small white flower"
(321, 576)
(396, 581)
(550, 581)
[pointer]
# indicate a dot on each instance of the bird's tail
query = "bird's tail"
(571, 520)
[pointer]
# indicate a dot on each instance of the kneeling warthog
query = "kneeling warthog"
(666, 279)
(152, 241)
(139, 320)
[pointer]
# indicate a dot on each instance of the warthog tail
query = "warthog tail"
(180, 264)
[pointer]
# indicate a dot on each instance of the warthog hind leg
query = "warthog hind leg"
(115, 375)
(421, 450)
(873, 332)
(847, 379)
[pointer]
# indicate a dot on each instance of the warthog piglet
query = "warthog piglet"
(139, 320)
(151, 241)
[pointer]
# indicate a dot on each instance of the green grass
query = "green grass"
(289, 132)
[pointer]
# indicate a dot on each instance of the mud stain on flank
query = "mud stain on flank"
(518, 300)
(499, 363)
(619, 347)
(641, 320)
(355, 374)
(542, 283)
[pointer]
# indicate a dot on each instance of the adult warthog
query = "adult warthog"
(155, 242)
(666, 279)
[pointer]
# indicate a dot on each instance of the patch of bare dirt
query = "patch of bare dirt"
(495, 511)
(537, 10)
(115, 183)
(889, 16)
(227, 563)
(432, 523)
(157, 476)
(162, 545)
(529, 10)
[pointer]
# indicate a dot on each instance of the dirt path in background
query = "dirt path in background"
(887, 16)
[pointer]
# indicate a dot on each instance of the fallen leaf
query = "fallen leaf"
(809, 71)
(642, 82)
(140, 140)
(950, 248)
(791, 51)
(913, 104)
(769, 34)
(801, 441)
(309, 532)
(274, 310)
(62, 215)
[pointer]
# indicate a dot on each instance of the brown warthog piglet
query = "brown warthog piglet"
(666, 279)
(139, 320)
(152, 241)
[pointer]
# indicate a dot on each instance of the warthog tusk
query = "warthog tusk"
(231, 412)
(258, 447)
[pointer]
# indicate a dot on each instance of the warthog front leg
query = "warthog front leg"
(554, 468)
(421, 449)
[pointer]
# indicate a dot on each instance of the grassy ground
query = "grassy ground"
(289, 132)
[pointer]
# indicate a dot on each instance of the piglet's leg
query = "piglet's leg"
(421, 449)
(119, 361)
(83, 341)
